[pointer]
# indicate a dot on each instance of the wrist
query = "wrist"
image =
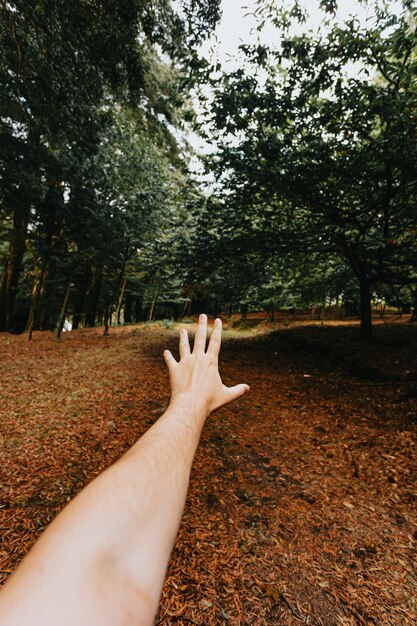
(188, 406)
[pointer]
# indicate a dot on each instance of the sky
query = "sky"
(236, 26)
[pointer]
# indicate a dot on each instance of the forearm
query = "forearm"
(110, 547)
(103, 560)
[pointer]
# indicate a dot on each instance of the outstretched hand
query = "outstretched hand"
(195, 379)
(123, 525)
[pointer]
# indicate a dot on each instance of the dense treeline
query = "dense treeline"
(318, 157)
(93, 169)
(315, 163)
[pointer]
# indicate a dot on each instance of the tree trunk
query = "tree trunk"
(107, 314)
(382, 310)
(120, 299)
(47, 296)
(64, 309)
(118, 292)
(128, 308)
(36, 291)
(186, 310)
(365, 308)
(79, 301)
(93, 296)
(413, 317)
(153, 303)
(55, 247)
(13, 266)
(186, 307)
(3, 299)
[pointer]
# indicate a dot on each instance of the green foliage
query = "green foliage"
(91, 99)
(321, 154)
(316, 163)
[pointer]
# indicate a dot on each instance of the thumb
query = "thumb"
(233, 393)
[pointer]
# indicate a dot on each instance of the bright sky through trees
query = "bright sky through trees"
(311, 129)
(238, 24)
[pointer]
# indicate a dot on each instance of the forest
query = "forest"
(144, 181)
(312, 203)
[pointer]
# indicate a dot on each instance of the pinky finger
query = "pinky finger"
(169, 359)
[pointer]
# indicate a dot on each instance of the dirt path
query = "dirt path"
(302, 503)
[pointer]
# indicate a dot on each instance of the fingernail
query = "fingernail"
(218, 322)
(203, 317)
(183, 331)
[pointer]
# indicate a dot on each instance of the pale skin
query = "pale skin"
(102, 561)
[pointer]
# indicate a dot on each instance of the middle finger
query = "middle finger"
(201, 334)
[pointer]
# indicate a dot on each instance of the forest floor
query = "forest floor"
(302, 507)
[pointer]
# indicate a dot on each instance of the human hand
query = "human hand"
(195, 379)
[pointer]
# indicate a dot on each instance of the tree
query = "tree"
(332, 150)
(63, 69)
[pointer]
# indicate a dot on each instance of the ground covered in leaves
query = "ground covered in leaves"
(302, 506)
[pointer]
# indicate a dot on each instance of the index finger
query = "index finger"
(215, 338)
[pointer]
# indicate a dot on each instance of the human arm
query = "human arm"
(102, 562)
